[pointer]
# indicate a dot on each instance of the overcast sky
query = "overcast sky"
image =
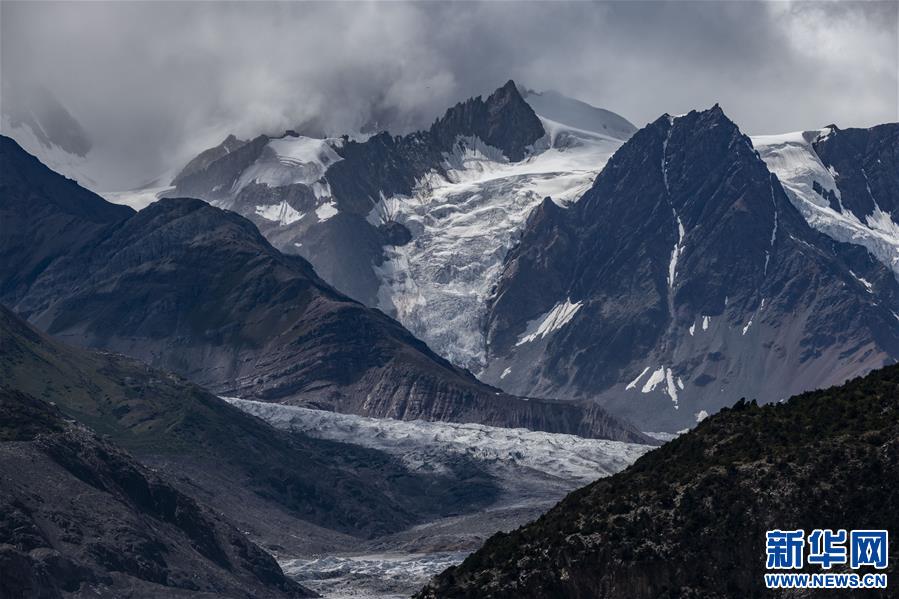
(153, 83)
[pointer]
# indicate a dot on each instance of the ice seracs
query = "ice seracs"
(464, 222)
(433, 444)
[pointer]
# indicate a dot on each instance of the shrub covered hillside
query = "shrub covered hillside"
(689, 519)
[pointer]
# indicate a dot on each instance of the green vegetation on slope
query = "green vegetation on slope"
(689, 519)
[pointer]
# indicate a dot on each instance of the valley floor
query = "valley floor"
(533, 470)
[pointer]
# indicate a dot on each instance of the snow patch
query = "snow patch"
(676, 252)
(634, 382)
(672, 388)
(579, 115)
(701, 415)
(506, 372)
(653, 381)
(282, 213)
(868, 286)
(291, 161)
(550, 322)
(326, 211)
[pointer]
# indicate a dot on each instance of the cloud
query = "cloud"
(154, 83)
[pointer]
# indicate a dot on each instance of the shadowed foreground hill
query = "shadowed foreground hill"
(258, 476)
(78, 515)
(689, 519)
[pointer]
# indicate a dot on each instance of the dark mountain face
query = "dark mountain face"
(43, 218)
(689, 519)
(351, 183)
(683, 277)
(77, 514)
(864, 161)
(193, 289)
(185, 431)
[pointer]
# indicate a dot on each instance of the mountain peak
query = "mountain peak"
(504, 121)
(509, 85)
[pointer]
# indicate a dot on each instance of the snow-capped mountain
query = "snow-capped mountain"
(416, 225)
(660, 288)
(686, 277)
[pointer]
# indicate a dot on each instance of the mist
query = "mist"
(153, 83)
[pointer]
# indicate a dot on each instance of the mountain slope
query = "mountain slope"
(682, 277)
(561, 109)
(43, 218)
(78, 514)
(187, 432)
(689, 519)
(197, 290)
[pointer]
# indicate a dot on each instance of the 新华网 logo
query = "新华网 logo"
(826, 548)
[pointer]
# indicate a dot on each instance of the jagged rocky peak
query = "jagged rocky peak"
(844, 183)
(659, 188)
(384, 165)
(504, 121)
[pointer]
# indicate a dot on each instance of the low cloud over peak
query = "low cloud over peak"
(154, 83)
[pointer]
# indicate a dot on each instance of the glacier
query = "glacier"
(533, 469)
(464, 223)
(520, 457)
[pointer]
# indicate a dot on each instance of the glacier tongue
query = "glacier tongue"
(568, 460)
(463, 225)
(534, 470)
